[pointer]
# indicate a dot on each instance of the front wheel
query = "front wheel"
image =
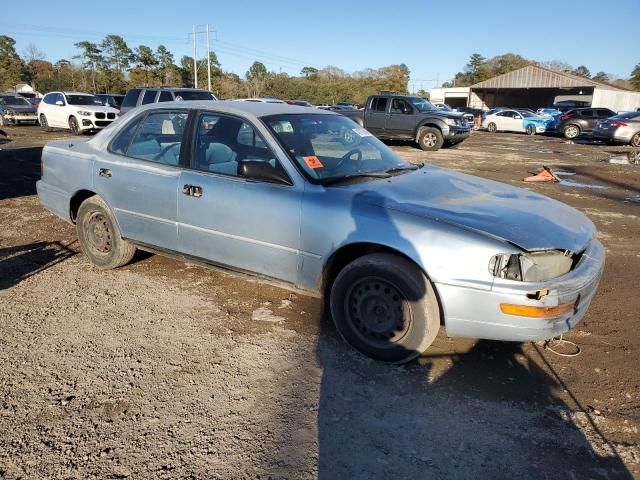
(385, 307)
(99, 236)
(531, 130)
(73, 125)
(635, 140)
(430, 139)
(3, 122)
(44, 124)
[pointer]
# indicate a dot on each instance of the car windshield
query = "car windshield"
(191, 95)
(422, 105)
(83, 100)
(527, 114)
(446, 108)
(14, 101)
(333, 147)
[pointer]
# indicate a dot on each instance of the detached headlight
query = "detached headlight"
(451, 121)
(532, 267)
(84, 113)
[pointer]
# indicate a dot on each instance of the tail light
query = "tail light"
(567, 117)
(618, 124)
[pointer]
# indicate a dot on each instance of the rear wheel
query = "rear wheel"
(73, 125)
(430, 139)
(492, 128)
(385, 307)
(571, 131)
(99, 236)
(635, 140)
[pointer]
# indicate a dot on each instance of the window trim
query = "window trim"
(197, 114)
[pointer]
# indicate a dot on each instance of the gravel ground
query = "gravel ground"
(163, 369)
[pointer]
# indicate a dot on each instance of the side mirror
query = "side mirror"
(60, 103)
(262, 170)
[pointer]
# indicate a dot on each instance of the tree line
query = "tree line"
(112, 66)
(479, 69)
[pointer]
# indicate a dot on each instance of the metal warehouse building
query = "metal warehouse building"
(535, 87)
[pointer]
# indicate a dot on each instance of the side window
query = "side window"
(121, 143)
(149, 96)
(48, 99)
(379, 104)
(502, 114)
(223, 141)
(131, 98)
(159, 137)
(165, 96)
(604, 113)
(586, 113)
(59, 98)
(398, 105)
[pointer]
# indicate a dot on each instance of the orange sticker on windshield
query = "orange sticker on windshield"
(313, 162)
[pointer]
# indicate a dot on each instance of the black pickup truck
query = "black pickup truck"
(403, 117)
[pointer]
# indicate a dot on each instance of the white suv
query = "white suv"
(78, 112)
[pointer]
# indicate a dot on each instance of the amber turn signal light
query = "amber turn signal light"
(536, 312)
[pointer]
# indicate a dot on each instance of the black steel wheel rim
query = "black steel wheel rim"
(377, 311)
(99, 233)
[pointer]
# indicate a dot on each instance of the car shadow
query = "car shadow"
(469, 409)
(17, 263)
(19, 171)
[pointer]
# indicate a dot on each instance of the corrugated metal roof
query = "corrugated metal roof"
(534, 76)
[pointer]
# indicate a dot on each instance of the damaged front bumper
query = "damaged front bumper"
(477, 313)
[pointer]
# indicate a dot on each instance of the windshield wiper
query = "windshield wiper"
(403, 168)
(331, 181)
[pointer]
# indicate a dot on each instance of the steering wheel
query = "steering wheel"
(347, 156)
(168, 148)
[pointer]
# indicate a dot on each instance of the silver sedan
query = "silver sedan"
(315, 202)
(623, 128)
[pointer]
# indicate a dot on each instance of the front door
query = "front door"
(139, 177)
(230, 220)
(402, 120)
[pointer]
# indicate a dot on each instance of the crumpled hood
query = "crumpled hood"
(526, 219)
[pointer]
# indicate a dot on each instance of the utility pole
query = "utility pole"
(195, 59)
(208, 61)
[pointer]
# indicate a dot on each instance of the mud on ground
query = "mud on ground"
(164, 369)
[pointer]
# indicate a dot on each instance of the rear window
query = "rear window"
(193, 95)
(605, 113)
(131, 98)
(379, 104)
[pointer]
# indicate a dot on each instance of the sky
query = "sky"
(433, 38)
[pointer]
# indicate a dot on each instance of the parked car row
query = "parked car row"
(600, 123)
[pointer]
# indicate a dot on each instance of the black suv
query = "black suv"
(143, 95)
(581, 120)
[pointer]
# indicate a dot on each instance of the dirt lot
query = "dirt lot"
(168, 370)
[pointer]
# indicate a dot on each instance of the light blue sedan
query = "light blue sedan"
(313, 201)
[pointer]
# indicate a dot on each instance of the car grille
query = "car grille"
(111, 116)
(100, 115)
(102, 123)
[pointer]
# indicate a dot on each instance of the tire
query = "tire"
(635, 140)
(99, 236)
(571, 131)
(44, 125)
(531, 130)
(73, 125)
(385, 308)
(430, 139)
(492, 128)
(3, 122)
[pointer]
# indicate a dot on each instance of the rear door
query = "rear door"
(588, 119)
(375, 115)
(139, 175)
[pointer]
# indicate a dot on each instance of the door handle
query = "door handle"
(192, 190)
(104, 172)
